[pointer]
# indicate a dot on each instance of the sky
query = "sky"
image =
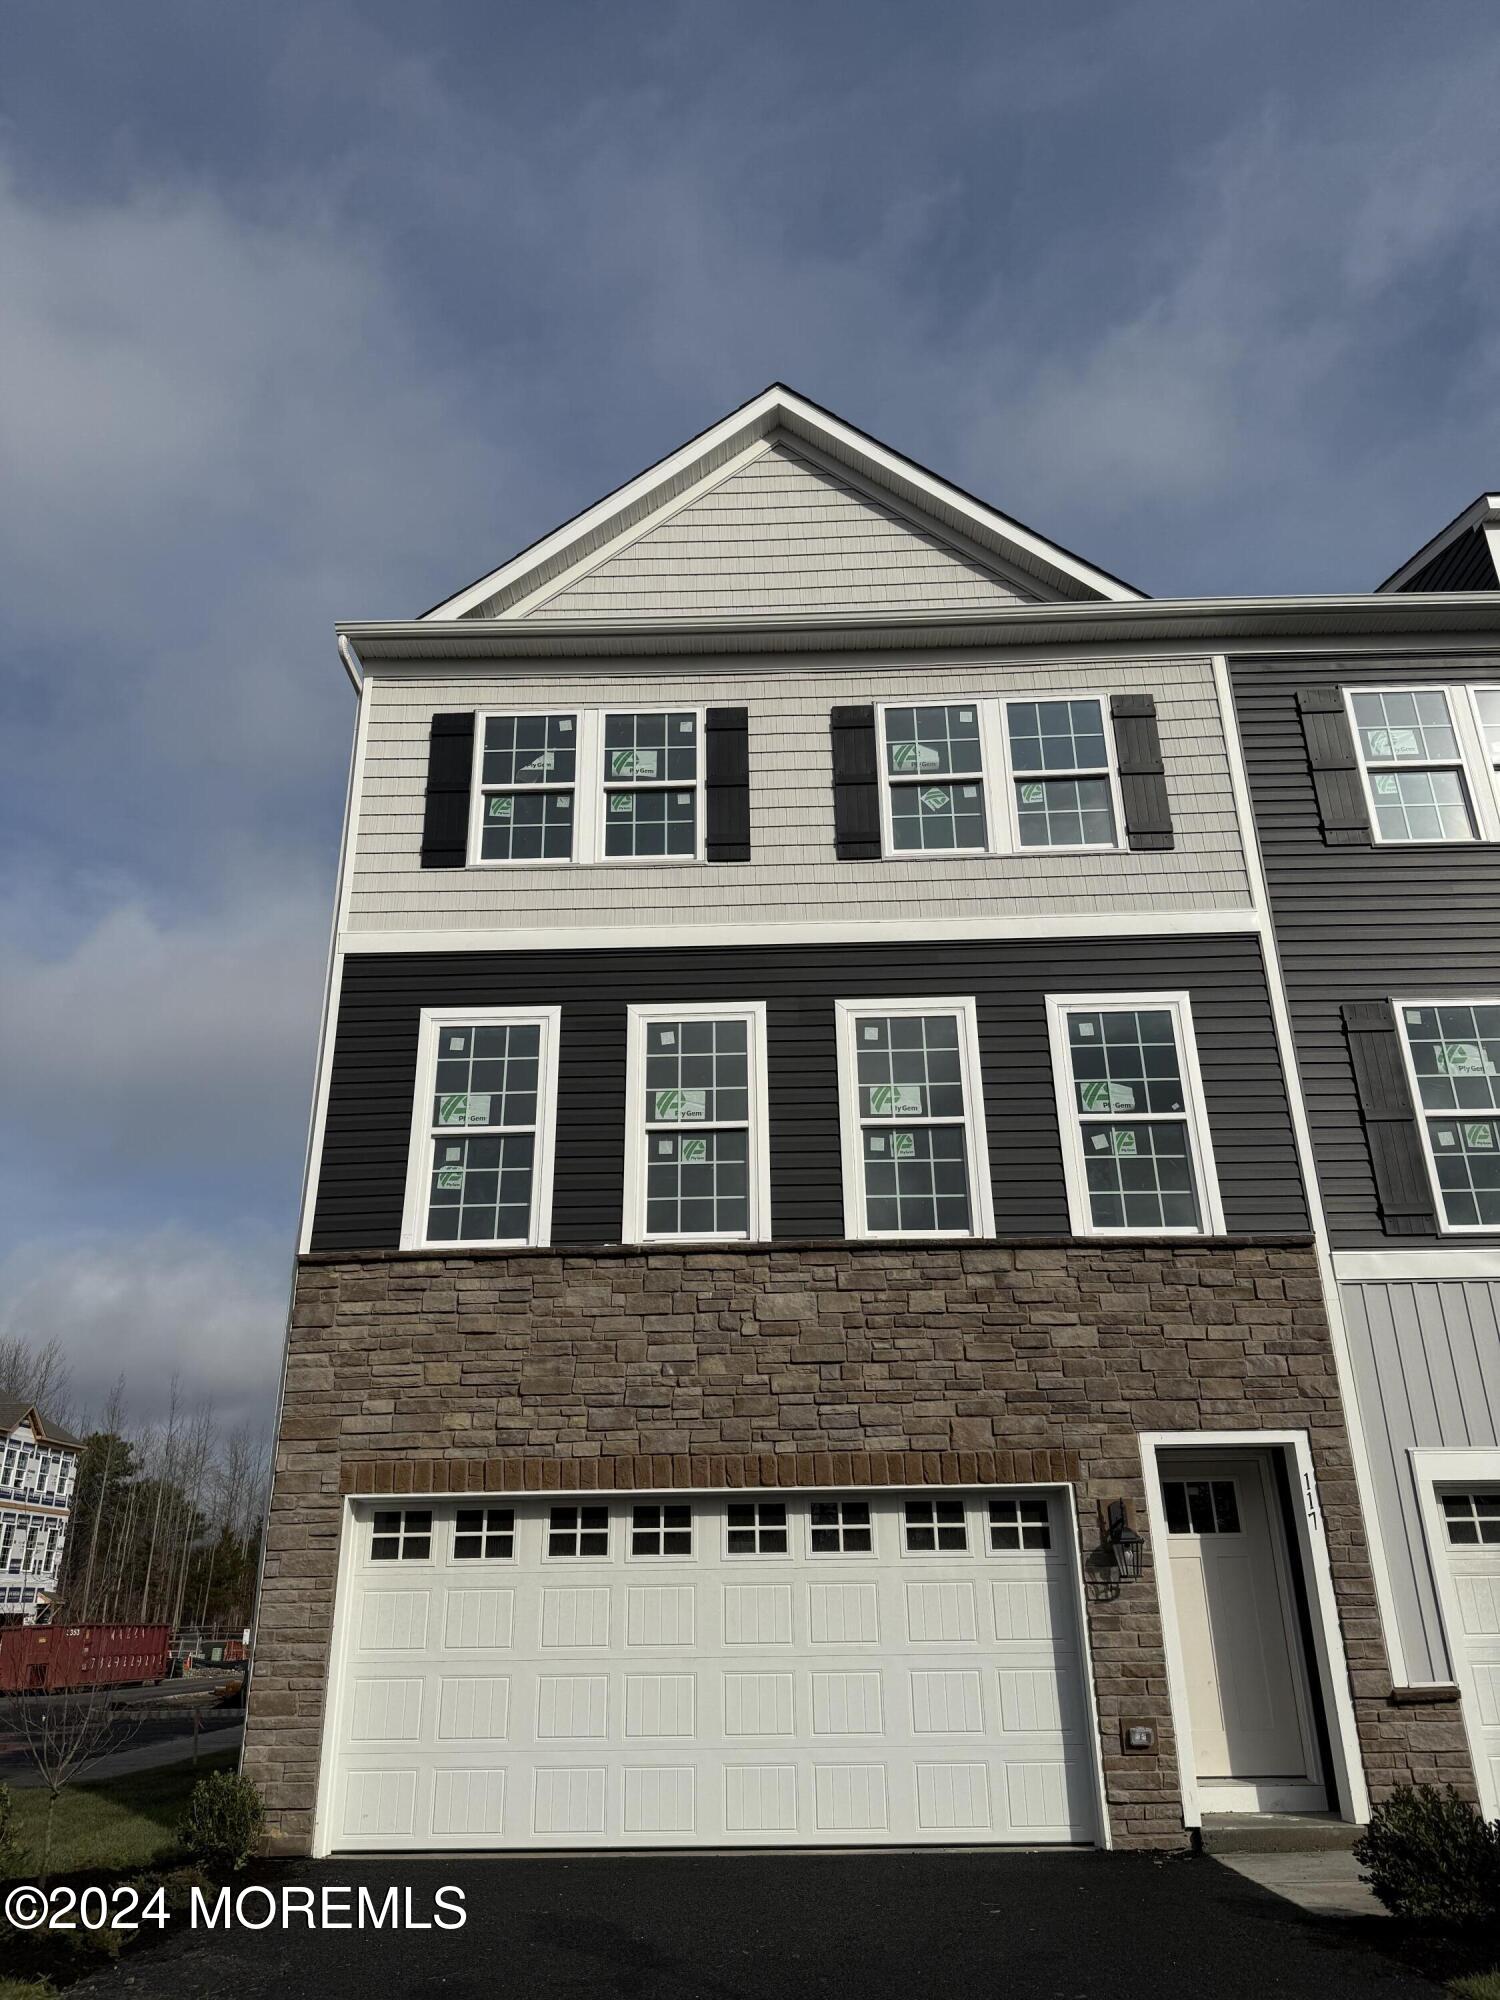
(319, 311)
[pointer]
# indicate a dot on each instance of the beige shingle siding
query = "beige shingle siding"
(794, 875)
(781, 534)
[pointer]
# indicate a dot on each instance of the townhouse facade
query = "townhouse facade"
(1375, 779)
(38, 1472)
(813, 1322)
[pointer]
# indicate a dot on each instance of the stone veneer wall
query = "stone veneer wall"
(845, 1364)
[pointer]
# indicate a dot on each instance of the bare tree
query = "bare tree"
(37, 1375)
(66, 1735)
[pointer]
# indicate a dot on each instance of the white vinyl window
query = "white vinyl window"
(697, 1161)
(587, 785)
(1453, 1065)
(479, 1168)
(526, 795)
(1428, 760)
(916, 1162)
(1137, 1154)
(998, 776)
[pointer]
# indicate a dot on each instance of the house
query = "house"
(813, 1321)
(1375, 779)
(38, 1468)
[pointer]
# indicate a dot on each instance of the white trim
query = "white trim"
(1474, 733)
(1194, 1113)
(1395, 1267)
(333, 1685)
(1455, 1466)
(599, 937)
(422, 1141)
(1424, 1117)
(778, 407)
(757, 1126)
(981, 1195)
(1338, 1327)
(1329, 1665)
(996, 778)
(1484, 819)
(1086, 1656)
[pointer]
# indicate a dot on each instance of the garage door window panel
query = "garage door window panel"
(840, 1528)
(661, 1528)
(401, 1535)
(1019, 1525)
(756, 1528)
(934, 1527)
(484, 1534)
(1471, 1520)
(574, 1532)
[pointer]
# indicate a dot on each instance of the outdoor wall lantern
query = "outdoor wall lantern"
(1125, 1544)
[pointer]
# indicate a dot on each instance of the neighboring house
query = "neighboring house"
(38, 1467)
(806, 1174)
(1375, 775)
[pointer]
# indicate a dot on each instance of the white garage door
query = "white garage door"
(701, 1670)
(1471, 1527)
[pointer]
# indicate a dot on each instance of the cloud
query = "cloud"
(211, 1307)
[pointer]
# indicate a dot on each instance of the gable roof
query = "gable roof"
(15, 1410)
(1463, 556)
(865, 506)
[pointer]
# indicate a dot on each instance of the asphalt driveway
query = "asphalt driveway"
(867, 1926)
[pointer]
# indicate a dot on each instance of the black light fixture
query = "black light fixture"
(1125, 1544)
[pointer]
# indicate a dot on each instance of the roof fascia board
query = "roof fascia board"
(1486, 510)
(618, 512)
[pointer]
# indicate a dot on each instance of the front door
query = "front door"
(1249, 1700)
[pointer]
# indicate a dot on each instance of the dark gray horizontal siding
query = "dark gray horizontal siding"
(1356, 923)
(363, 1174)
(1466, 564)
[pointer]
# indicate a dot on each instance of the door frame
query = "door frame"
(1433, 1466)
(341, 1623)
(1328, 1668)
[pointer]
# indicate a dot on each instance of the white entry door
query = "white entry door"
(705, 1669)
(1471, 1547)
(1249, 1702)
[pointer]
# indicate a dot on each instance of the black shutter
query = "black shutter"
(450, 769)
(1390, 1120)
(1335, 768)
(856, 784)
(727, 769)
(1143, 788)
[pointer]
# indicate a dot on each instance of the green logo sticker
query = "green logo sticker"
(1462, 1059)
(632, 763)
(502, 808)
(1107, 1096)
(1031, 795)
(896, 1100)
(541, 762)
(1385, 785)
(685, 1104)
(904, 1145)
(1479, 1138)
(449, 1177)
(464, 1108)
(935, 800)
(910, 757)
(1121, 1143)
(692, 1152)
(1404, 743)
(619, 802)
(451, 1109)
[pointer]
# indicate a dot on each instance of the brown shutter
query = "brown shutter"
(1143, 785)
(1390, 1120)
(1335, 768)
(450, 771)
(856, 784)
(727, 777)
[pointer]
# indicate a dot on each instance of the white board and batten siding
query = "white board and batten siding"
(1426, 1358)
(711, 1699)
(794, 875)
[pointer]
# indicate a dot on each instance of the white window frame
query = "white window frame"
(997, 781)
(432, 1022)
(1194, 1113)
(477, 789)
(1490, 767)
(1424, 1117)
(638, 1134)
(1480, 781)
(848, 1014)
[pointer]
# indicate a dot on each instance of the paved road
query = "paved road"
(829, 1927)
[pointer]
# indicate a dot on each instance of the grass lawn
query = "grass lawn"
(1477, 1986)
(128, 1822)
